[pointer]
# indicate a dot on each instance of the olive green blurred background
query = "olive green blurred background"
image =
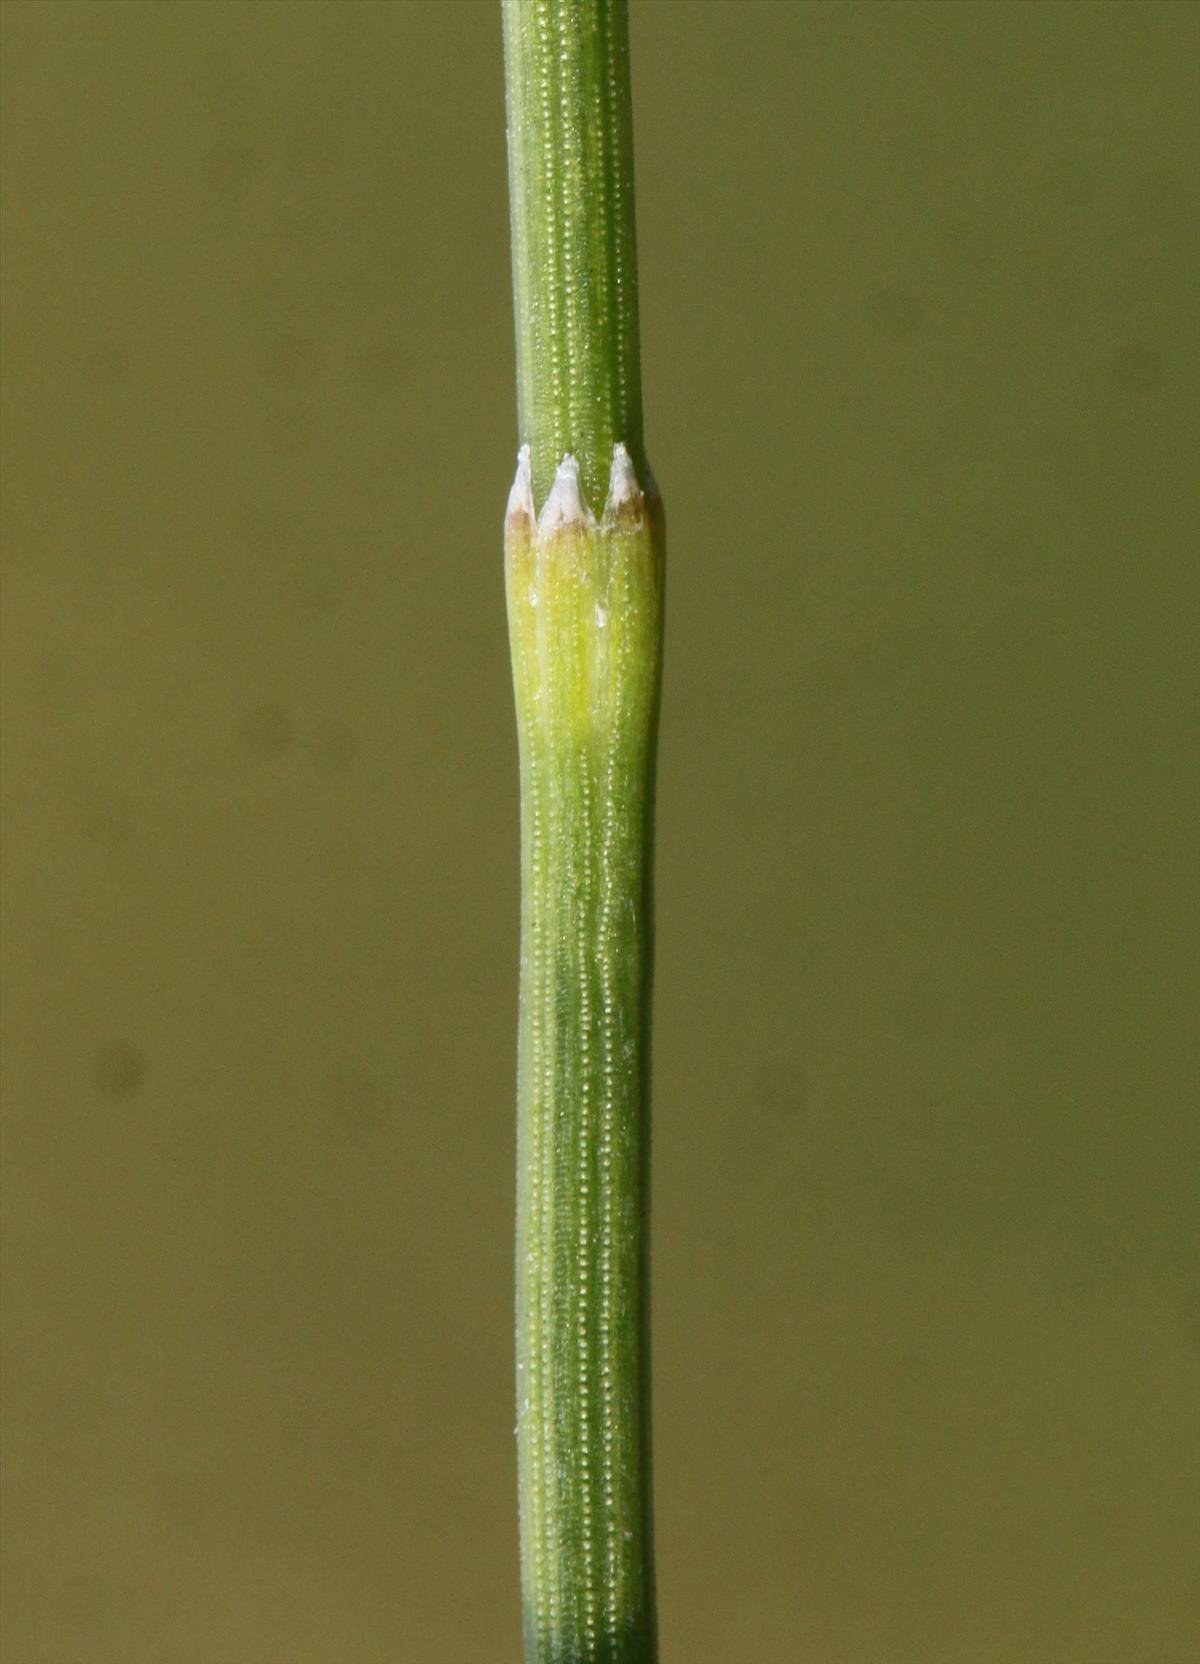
(920, 289)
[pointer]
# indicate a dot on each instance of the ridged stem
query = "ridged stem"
(585, 611)
(584, 590)
(574, 242)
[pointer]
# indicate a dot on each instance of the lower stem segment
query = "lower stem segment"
(584, 602)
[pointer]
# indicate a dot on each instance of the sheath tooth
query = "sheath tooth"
(520, 498)
(565, 507)
(623, 484)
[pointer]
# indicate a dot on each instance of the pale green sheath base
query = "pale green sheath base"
(585, 616)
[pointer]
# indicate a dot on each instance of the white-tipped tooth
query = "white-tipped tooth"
(623, 484)
(520, 498)
(565, 505)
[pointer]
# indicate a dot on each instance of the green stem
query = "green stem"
(584, 589)
(574, 243)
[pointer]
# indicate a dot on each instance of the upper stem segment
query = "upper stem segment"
(570, 165)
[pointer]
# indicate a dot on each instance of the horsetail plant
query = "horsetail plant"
(583, 542)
